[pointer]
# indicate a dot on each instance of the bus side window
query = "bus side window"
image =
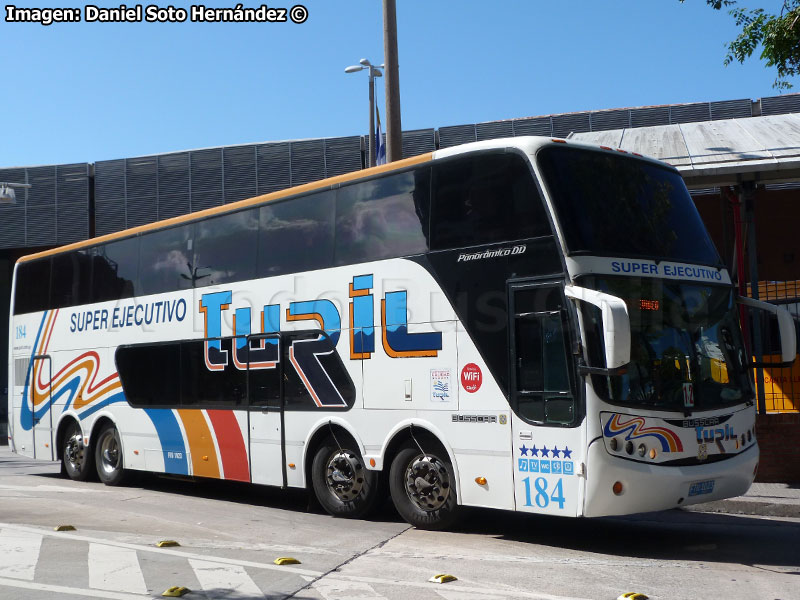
(150, 374)
(201, 387)
(32, 293)
(165, 260)
(296, 236)
(485, 199)
(543, 391)
(115, 270)
(72, 276)
(383, 218)
(225, 248)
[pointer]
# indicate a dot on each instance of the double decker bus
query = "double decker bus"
(525, 324)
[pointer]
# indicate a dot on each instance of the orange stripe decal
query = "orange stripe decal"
(200, 443)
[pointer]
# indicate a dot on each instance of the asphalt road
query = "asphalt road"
(230, 534)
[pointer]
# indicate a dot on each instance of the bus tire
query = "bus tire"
(342, 483)
(108, 456)
(76, 458)
(423, 488)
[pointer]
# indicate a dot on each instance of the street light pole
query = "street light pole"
(394, 129)
(371, 136)
(374, 71)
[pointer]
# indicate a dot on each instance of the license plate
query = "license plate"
(701, 487)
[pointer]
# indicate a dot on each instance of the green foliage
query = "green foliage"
(778, 36)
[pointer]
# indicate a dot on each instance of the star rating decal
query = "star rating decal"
(546, 452)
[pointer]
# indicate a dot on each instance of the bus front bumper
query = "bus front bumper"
(652, 487)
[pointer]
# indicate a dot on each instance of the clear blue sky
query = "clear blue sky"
(97, 91)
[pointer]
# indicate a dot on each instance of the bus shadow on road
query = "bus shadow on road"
(291, 499)
(668, 535)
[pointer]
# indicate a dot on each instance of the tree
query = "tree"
(778, 35)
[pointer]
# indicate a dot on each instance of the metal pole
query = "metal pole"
(748, 196)
(371, 136)
(394, 129)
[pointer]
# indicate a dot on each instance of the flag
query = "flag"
(380, 144)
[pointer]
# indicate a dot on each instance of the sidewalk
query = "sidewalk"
(763, 499)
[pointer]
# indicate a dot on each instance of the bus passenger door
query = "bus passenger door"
(42, 415)
(548, 444)
(266, 409)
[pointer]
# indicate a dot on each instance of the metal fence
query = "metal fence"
(781, 386)
(134, 191)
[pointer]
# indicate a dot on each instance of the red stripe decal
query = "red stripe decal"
(231, 444)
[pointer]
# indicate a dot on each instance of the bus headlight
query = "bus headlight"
(613, 444)
(629, 447)
(642, 450)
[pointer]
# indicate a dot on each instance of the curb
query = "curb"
(748, 507)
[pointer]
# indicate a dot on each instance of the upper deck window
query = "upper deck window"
(616, 205)
(383, 217)
(483, 199)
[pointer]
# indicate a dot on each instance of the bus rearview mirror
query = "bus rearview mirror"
(786, 328)
(616, 323)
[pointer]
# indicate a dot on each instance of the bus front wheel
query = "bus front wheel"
(422, 486)
(108, 456)
(76, 457)
(342, 483)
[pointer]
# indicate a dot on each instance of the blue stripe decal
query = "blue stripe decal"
(118, 397)
(171, 438)
(26, 412)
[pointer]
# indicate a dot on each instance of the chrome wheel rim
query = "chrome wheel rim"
(344, 475)
(427, 483)
(110, 455)
(75, 451)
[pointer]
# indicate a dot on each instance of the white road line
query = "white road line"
(461, 586)
(162, 551)
(60, 589)
(449, 594)
(20, 553)
(220, 580)
(115, 569)
(52, 488)
(333, 589)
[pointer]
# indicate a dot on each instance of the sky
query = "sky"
(85, 92)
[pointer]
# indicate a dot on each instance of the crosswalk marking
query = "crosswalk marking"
(73, 536)
(115, 573)
(337, 589)
(115, 569)
(20, 552)
(220, 580)
(62, 589)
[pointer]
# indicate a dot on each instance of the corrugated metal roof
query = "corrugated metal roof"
(712, 153)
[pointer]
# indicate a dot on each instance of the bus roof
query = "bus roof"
(527, 144)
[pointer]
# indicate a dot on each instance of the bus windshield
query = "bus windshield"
(686, 346)
(611, 204)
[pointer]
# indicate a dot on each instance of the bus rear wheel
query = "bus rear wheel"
(342, 483)
(108, 456)
(76, 457)
(422, 486)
